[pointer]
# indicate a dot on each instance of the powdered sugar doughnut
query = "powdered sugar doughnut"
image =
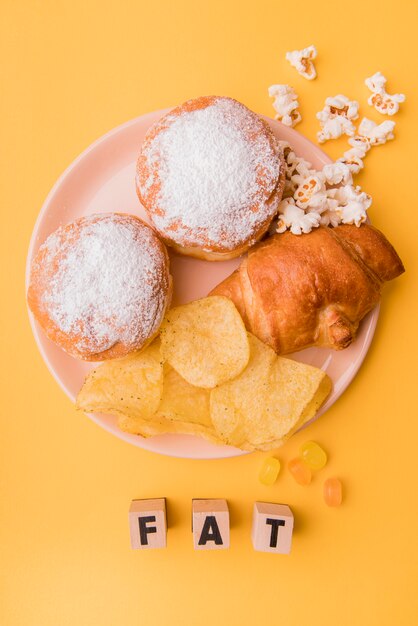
(99, 286)
(210, 175)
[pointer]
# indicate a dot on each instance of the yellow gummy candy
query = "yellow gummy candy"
(269, 471)
(313, 455)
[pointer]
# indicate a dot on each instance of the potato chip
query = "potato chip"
(161, 425)
(185, 406)
(145, 427)
(308, 413)
(183, 409)
(272, 397)
(131, 386)
(183, 401)
(205, 341)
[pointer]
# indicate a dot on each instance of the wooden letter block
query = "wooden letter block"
(210, 524)
(272, 528)
(148, 523)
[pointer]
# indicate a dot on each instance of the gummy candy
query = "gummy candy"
(333, 494)
(300, 471)
(269, 471)
(313, 455)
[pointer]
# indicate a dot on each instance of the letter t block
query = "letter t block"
(148, 523)
(272, 528)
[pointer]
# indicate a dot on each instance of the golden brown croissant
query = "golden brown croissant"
(295, 291)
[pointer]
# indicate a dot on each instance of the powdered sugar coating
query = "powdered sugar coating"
(101, 280)
(207, 175)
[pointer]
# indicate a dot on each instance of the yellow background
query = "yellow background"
(71, 71)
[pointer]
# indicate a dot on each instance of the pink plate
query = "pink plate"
(102, 179)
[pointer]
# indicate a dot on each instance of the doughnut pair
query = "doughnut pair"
(210, 175)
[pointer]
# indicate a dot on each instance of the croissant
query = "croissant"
(296, 291)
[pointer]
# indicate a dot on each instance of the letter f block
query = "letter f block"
(148, 524)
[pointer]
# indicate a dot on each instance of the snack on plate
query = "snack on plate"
(214, 180)
(131, 386)
(271, 399)
(382, 101)
(336, 118)
(313, 289)
(210, 175)
(285, 104)
(302, 61)
(149, 398)
(99, 286)
(205, 341)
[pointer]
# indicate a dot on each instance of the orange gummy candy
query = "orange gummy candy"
(333, 492)
(300, 471)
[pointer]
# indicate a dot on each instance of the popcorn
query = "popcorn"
(341, 105)
(326, 198)
(299, 164)
(330, 215)
(302, 61)
(300, 170)
(311, 192)
(285, 104)
(336, 118)
(361, 142)
(296, 169)
(383, 102)
(353, 158)
(376, 83)
(330, 218)
(294, 218)
(371, 134)
(293, 161)
(353, 213)
(336, 173)
(353, 204)
(286, 148)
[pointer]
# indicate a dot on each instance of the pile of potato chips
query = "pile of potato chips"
(206, 375)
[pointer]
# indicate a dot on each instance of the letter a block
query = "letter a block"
(210, 524)
(148, 524)
(272, 528)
